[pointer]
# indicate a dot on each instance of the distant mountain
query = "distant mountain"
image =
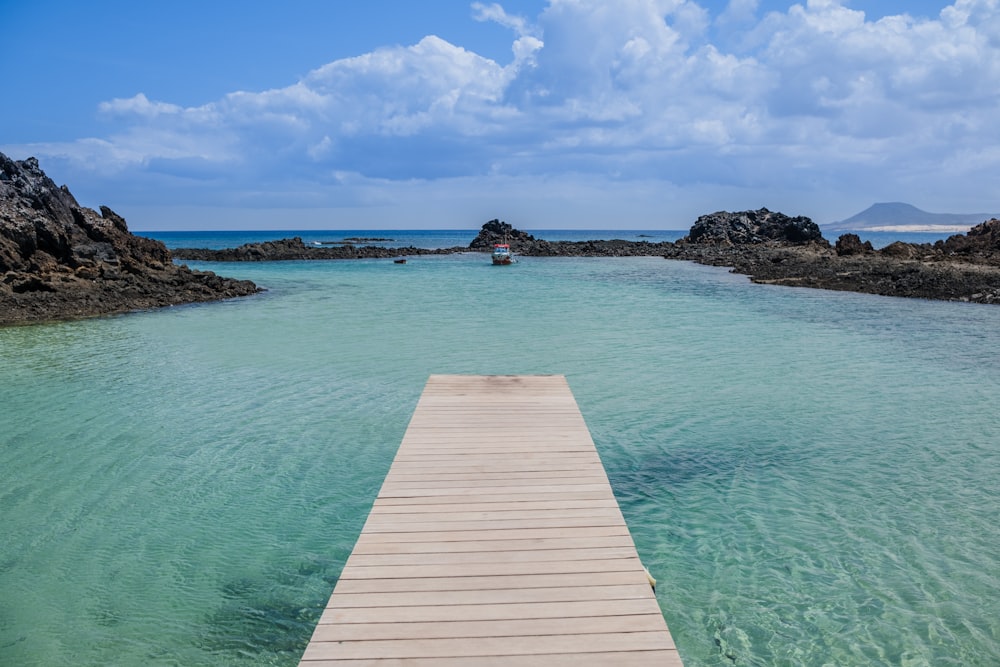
(900, 217)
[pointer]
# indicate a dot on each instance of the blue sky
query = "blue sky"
(548, 114)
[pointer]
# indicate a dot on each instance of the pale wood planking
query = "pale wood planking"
(635, 659)
(495, 540)
(480, 612)
(508, 628)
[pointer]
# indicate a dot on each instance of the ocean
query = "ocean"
(449, 238)
(811, 476)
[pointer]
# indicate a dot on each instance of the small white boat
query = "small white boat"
(502, 254)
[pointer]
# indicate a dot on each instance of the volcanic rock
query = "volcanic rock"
(982, 241)
(59, 260)
(295, 249)
(496, 231)
(769, 247)
(752, 227)
(850, 244)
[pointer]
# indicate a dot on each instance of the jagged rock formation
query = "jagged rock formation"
(850, 244)
(961, 268)
(496, 231)
(751, 227)
(769, 247)
(981, 243)
(522, 243)
(59, 260)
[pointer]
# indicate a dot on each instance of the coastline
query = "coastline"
(963, 267)
(63, 261)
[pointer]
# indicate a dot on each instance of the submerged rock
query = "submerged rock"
(59, 260)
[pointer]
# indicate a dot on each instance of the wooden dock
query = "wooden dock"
(495, 540)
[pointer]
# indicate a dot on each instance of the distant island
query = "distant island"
(903, 218)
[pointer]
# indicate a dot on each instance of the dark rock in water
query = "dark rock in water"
(522, 243)
(850, 244)
(775, 249)
(751, 227)
(59, 260)
(295, 249)
(982, 241)
(496, 231)
(768, 247)
(900, 250)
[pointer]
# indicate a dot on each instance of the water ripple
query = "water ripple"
(811, 475)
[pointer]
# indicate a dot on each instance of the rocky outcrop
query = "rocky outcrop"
(981, 243)
(776, 249)
(522, 243)
(59, 260)
(886, 274)
(294, 249)
(492, 232)
(850, 244)
(753, 227)
(769, 247)
(496, 231)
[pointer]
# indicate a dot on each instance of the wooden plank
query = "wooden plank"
(449, 581)
(373, 537)
(486, 612)
(528, 517)
(368, 547)
(536, 557)
(554, 504)
(509, 628)
(509, 596)
(526, 497)
(495, 540)
(455, 647)
(418, 568)
(411, 526)
(600, 659)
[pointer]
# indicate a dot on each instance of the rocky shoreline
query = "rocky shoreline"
(767, 246)
(62, 261)
(294, 248)
(59, 260)
(964, 267)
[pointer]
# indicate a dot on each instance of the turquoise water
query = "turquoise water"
(449, 238)
(811, 476)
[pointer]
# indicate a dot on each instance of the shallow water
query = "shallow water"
(810, 475)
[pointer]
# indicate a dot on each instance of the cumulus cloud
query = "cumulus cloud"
(817, 97)
(138, 105)
(495, 12)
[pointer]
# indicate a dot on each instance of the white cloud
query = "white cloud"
(139, 105)
(402, 91)
(494, 12)
(818, 97)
